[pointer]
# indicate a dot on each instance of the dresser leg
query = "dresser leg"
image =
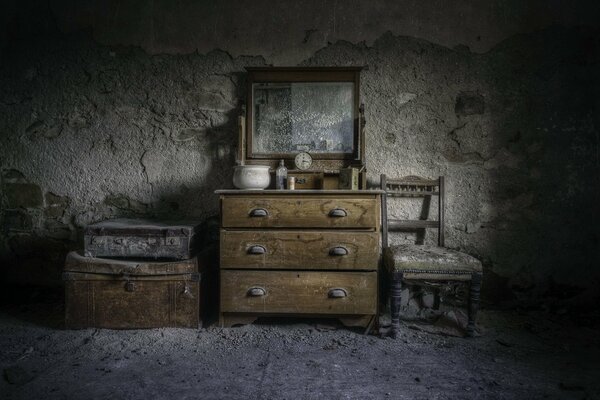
(474, 294)
(362, 321)
(395, 300)
(230, 320)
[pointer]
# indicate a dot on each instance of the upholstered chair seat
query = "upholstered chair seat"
(415, 258)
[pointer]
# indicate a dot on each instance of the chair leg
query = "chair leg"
(395, 300)
(474, 294)
(436, 299)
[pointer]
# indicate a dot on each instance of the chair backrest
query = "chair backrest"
(413, 186)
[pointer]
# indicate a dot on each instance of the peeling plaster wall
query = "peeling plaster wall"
(90, 131)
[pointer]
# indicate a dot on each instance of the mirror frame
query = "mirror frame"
(305, 74)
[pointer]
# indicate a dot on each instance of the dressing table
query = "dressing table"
(312, 251)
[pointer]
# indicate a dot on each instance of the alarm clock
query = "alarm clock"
(303, 161)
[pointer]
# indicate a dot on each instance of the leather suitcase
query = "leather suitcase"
(130, 238)
(127, 294)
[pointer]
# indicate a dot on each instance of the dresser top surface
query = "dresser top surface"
(299, 191)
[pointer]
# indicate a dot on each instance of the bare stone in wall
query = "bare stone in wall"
(469, 103)
(13, 176)
(57, 230)
(77, 121)
(219, 84)
(390, 137)
(403, 98)
(472, 227)
(502, 158)
(188, 134)
(35, 128)
(41, 128)
(211, 101)
(17, 221)
(23, 195)
(125, 203)
(55, 205)
(454, 155)
(108, 81)
(52, 132)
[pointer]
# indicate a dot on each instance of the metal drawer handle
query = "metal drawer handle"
(337, 293)
(256, 292)
(118, 241)
(129, 286)
(259, 212)
(257, 249)
(338, 213)
(338, 251)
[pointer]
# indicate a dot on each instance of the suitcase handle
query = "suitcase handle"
(338, 251)
(256, 292)
(259, 212)
(338, 213)
(257, 249)
(337, 293)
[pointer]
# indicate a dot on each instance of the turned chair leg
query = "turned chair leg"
(474, 294)
(395, 300)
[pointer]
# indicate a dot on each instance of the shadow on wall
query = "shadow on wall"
(546, 169)
(91, 132)
(515, 133)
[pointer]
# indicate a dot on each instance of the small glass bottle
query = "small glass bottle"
(281, 176)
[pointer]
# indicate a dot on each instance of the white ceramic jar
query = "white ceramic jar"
(251, 176)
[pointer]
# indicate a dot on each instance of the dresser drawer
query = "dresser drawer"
(300, 211)
(298, 292)
(320, 250)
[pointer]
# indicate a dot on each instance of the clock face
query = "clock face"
(303, 161)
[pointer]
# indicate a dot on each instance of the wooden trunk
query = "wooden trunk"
(141, 239)
(118, 294)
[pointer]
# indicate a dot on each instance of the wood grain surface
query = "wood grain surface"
(299, 249)
(301, 211)
(298, 292)
(77, 262)
(149, 303)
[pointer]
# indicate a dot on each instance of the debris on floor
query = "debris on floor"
(297, 359)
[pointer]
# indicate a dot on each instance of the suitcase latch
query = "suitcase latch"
(97, 240)
(172, 241)
(130, 286)
(187, 292)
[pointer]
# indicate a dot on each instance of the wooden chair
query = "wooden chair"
(420, 264)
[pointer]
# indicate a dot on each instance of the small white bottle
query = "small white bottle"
(281, 176)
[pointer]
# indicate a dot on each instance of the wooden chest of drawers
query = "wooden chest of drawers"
(303, 253)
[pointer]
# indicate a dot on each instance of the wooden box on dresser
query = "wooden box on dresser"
(300, 253)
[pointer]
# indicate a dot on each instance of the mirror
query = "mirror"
(297, 109)
(290, 117)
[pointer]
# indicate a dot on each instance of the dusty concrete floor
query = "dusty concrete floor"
(521, 355)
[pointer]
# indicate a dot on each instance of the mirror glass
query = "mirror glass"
(317, 117)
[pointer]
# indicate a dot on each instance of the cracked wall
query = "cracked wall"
(91, 131)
